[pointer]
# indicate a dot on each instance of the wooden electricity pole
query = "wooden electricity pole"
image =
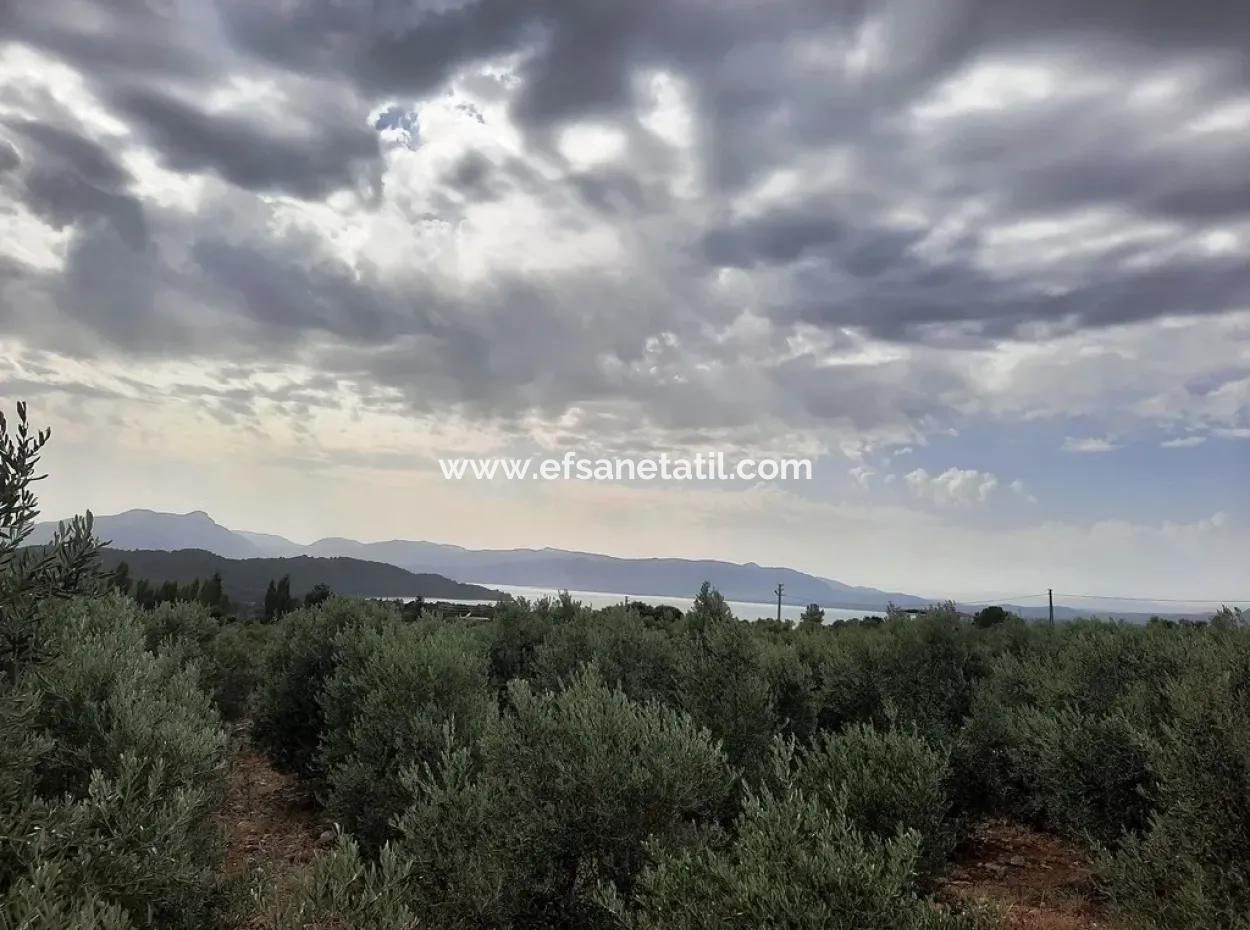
(780, 587)
(1050, 596)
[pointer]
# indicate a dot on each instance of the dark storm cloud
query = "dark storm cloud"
(844, 273)
(154, 63)
(86, 158)
(780, 237)
(311, 162)
(9, 159)
(286, 288)
(774, 88)
(909, 299)
(66, 178)
(475, 177)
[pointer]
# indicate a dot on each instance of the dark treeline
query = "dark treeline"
(210, 592)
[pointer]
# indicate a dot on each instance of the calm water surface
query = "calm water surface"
(747, 610)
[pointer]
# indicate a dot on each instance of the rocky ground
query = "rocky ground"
(1037, 881)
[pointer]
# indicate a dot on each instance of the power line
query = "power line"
(1161, 600)
(1107, 597)
(999, 600)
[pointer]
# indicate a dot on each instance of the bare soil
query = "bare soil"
(271, 826)
(1037, 881)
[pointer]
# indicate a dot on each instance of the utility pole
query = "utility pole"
(1050, 596)
(780, 587)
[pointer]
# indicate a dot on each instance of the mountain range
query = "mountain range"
(542, 568)
(245, 580)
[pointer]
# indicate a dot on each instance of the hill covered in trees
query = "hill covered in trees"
(246, 580)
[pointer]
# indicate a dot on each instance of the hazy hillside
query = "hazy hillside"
(546, 568)
(245, 580)
(148, 529)
(674, 577)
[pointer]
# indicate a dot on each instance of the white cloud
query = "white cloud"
(1089, 444)
(1019, 489)
(955, 486)
(862, 474)
(1183, 442)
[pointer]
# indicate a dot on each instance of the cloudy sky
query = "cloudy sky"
(987, 263)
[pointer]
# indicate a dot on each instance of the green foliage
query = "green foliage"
(228, 656)
(319, 594)
(119, 578)
(288, 720)
(279, 600)
(991, 616)
(724, 687)
(555, 766)
(111, 760)
(31, 576)
(45, 900)
(1190, 867)
(516, 634)
(792, 686)
(179, 622)
(232, 665)
(1079, 774)
(213, 595)
(709, 610)
(885, 781)
(927, 670)
(789, 862)
(111, 781)
(559, 795)
(207, 592)
(812, 614)
(628, 653)
(393, 699)
(915, 671)
(413, 610)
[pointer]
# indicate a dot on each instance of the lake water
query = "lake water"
(746, 610)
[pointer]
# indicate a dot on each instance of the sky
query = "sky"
(987, 264)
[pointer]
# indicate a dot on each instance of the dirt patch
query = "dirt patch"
(1039, 881)
(271, 824)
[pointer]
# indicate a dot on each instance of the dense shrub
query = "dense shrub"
(229, 656)
(1063, 736)
(179, 623)
(515, 636)
(394, 698)
(116, 770)
(792, 685)
(1191, 868)
(725, 687)
(919, 672)
(288, 722)
(789, 862)
(927, 668)
(557, 797)
(629, 654)
(845, 688)
(1080, 774)
(233, 662)
(885, 781)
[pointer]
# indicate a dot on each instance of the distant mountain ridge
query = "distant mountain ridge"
(150, 529)
(543, 568)
(245, 580)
